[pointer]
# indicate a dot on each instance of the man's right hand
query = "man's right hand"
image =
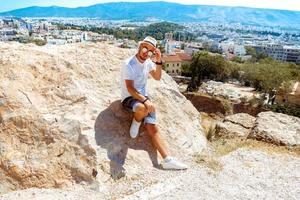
(149, 105)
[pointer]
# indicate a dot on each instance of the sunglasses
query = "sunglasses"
(145, 50)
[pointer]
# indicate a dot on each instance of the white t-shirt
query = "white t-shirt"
(134, 70)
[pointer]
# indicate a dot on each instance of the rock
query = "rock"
(277, 128)
(70, 128)
(243, 119)
(232, 91)
(61, 121)
(237, 125)
(231, 130)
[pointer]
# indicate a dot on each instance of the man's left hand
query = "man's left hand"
(157, 55)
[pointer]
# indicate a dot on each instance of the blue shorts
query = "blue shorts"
(130, 104)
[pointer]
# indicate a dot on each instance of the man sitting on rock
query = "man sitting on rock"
(134, 75)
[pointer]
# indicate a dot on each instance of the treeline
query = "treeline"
(262, 73)
(157, 30)
(25, 40)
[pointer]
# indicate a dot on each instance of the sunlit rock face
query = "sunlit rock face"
(61, 122)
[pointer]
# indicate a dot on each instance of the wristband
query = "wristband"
(158, 63)
(145, 100)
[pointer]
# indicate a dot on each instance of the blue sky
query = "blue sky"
(6, 5)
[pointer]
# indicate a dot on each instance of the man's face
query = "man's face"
(146, 51)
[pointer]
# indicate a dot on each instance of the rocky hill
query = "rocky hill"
(61, 122)
(64, 135)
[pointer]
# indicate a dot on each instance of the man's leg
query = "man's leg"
(140, 112)
(153, 131)
(157, 141)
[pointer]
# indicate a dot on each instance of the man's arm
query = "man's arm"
(156, 74)
(135, 94)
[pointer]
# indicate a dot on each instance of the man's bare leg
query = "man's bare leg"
(140, 112)
(157, 141)
(152, 129)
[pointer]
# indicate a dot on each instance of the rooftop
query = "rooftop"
(184, 56)
(171, 58)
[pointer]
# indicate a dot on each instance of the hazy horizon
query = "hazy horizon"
(7, 5)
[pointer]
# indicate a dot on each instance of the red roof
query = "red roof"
(184, 56)
(171, 58)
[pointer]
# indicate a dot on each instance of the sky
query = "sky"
(6, 5)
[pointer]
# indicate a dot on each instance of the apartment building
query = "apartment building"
(173, 63)
(280, 52)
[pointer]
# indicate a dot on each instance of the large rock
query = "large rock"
(237, 125)
(277, 128)
(61, 121)
(243, 119)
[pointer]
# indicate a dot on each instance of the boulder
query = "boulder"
(237, 125)
(61, 122)
(243, 119)
(277, 128)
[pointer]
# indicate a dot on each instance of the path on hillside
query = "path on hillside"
(246, 174)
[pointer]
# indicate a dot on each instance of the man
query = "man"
(134, 75)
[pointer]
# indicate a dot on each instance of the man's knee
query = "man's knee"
(141, 109)
(152, 129)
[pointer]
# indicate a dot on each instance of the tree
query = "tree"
(161, 48)
(186, 69)
(256, 56)
(269, 74)
(236, 59)
(182, 45)
(207, 66)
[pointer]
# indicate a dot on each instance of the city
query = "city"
(229, 40)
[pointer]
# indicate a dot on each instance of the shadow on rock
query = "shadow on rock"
(112, 133)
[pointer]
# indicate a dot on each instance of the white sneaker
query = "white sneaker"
(134, 128)
(172, 163)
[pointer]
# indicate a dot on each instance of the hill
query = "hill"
(156, 11)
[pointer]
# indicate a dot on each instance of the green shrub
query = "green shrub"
(288, 109)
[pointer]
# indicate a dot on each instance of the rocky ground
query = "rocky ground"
(230, 91)
(242, 174)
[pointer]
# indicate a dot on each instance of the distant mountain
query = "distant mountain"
(169, 12)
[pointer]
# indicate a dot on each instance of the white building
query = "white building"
(239, 50)
(56, 41)
(44, 26)
(280, 52)
(1, 23)
(193, 48)
(226, 47)
(84, 36)
(171, 46)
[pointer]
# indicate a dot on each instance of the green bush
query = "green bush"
(269, 74)
(208, 66)
(288, 109)
(40, 42)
